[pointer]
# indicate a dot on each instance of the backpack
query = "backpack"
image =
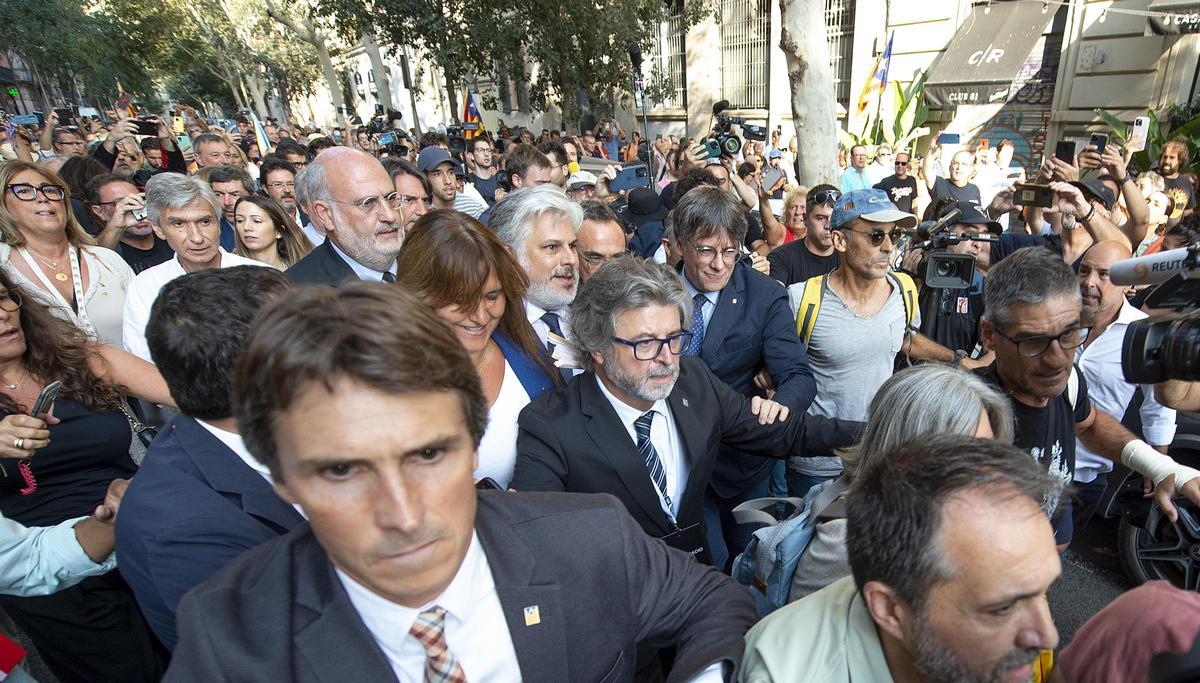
(769, 561)
(814, 293)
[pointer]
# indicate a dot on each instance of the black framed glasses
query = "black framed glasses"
(27, 193)
(648, 349)
(823, 197)
(10, 300)
(1032, 347)
(876, 236)
(901, 163)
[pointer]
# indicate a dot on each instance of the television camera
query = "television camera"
(941, 268)
(723, 140)
(1167, 346)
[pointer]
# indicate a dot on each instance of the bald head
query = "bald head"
(345, 190)
(1102, 299)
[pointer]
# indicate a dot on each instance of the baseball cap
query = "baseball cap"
(971, 215)
(431, 157)
(872, 205)
(579, 179)
(1093, 189)
(774, 154)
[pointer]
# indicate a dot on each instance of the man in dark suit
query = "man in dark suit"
(642, 423)
(352, 199)
(404, 570)
(199, 499)
(741, 323)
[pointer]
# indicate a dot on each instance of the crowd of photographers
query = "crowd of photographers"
(372, 405)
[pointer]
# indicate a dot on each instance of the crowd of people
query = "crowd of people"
(444, 409)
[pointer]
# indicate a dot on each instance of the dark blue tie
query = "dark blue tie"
(551, 320)
(697, 330)
(653, 465)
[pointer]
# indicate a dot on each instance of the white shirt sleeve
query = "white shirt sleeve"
(137, 313)
(1158, 421)
(43, 560)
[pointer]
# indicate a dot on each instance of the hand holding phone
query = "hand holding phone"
(45, 399)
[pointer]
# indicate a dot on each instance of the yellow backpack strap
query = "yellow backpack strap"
(908, 294)
(810, 306)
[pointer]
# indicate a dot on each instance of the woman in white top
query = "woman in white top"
(465, 273)
(48, 254)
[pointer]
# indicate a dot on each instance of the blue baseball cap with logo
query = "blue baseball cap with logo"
(871, 205)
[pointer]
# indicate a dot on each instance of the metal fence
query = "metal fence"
(667, 71)
(839, 27)
(745, 43)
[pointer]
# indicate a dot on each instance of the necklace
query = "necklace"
(10, 387)
(58, 273)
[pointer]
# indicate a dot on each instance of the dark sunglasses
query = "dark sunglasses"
(823, 197)
(876, 236)
(901, 163)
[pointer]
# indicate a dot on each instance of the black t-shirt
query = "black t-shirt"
(902, 192)
(87, 451)
(754, 231)
(1180, 189)
(967, 193)
(486, 187)
(950, 317)
(793, 262)
(141, 259)
(1047, 433)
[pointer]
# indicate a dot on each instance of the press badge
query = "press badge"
(961, 305)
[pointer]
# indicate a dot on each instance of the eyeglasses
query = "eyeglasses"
(27, 193)
(708, 254)
(372, 204)
(10, 300)
(280, 186)
(876, 236)
(823, 197)
(1032, 347)
(594, 259)
(901, 163)
(648, 349)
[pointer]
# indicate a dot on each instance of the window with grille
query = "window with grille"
(839, 29)
(745, 42)
(667, 72)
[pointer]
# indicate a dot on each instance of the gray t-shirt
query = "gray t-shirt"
(850, 356)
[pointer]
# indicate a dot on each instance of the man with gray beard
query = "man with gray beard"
(644, 423)
(539, 226)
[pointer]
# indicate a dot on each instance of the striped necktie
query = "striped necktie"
(653, 464)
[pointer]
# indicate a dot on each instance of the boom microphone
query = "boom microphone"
(720, 107)
(1148, 270)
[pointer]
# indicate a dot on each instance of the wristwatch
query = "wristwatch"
(1128, 179)
(959, 355)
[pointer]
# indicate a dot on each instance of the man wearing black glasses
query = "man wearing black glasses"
(901, 187)
(814, 255)
(1032, 320)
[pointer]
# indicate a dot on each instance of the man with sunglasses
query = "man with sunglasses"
(900, 186)
(856, 320)
(799, 260)
(1033, 323)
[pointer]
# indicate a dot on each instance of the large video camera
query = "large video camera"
(458, 141)
(382, 122)
(1166, 346)
(722, 140)
(942, 269)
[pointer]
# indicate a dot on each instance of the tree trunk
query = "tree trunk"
(411, 87)
(256, 82)
(452, 82)
(308, 32)
(814, 108)
(382, 83)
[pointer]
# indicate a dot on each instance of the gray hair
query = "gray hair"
(924, 400)
(512, 217)
(1027, 276)
(311, 185)
(620, 285)
(175, 191)
(1157, 183)
(706, 210)
(894, 512)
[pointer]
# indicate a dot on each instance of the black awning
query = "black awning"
(993, 54)
(1171, 17)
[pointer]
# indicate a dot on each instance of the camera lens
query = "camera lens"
(944, 268)
(1181, 349)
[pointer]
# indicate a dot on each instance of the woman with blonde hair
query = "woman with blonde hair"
(265, 232)
(47, 253)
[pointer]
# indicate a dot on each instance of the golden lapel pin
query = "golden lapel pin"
(533, 616)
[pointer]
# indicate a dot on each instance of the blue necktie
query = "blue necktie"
(697, 330)
(653, 465)
(551, 320)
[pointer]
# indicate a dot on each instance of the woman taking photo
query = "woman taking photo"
(49, 255)
(263, 231)
(465, 273)
(57, 466)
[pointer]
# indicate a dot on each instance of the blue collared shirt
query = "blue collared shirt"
(713, 298)
(44, 560)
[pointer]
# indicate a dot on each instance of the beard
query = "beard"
(545, 294)
(940, 664)
(366, 248)
(641, 387)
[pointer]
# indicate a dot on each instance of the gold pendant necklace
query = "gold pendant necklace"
(58, 274)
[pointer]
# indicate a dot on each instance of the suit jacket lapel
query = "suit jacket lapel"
(728, 312)
(335, 626)
(337, 268)
(691, 432)
(531, 603)
(612, 439)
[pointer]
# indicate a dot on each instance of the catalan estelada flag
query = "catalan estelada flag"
(260, 135)
(878, 81)
(471, 114)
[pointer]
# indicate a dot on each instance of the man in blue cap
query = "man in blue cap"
(856, 319)
(443, 170)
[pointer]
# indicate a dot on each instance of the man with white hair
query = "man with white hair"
(350, 197)
(187, 216)
(539, 226)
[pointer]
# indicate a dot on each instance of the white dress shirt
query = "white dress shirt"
(1106, 386)
(233, 441)
(144, 290)
(664, 436)
(498, 448)
(475, 629)
(534, 313)
(363, 272)
(315, 237)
